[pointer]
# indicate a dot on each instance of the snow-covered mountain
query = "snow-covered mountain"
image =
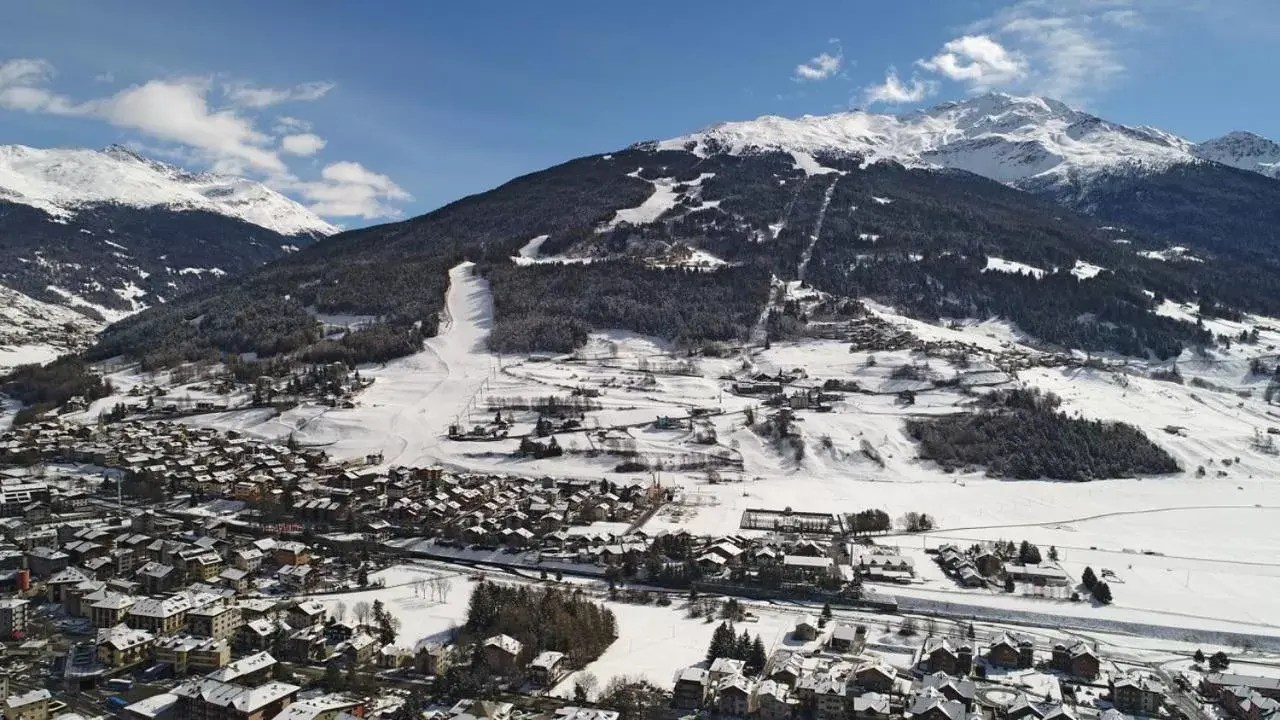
(1244, 150)
(90, 236)
(64, 181)
(1016, 140)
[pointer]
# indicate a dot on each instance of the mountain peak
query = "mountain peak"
(1243, 150)
(1005, 137)
(62, 181)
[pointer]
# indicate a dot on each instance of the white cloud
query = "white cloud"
(894, 92)
(24, 71)
(177, 113)
(348, 189)
(977, 61)
(1065, 49)
(1074, 48)
(248, 96)
(304, 144)
(22, 83)
(819, 68)
(286, 125)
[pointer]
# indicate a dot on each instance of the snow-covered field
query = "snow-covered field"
(423, 614)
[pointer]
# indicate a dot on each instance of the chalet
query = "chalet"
(932, 706)
(340, 631)
(806, 629)
(501, 653)
(938, 655)
(215, 621)
(870, 706)
(736, 696)
(1038, 575)
(1023, 708)
(208, 698)
(722, 668)
(236, 579)
(111, 610)
(829, 693)
(690, 688)
(161, 616)
(961, 690)
(433, 658)
(297, 577)
(257, 634)
(307, 645)
(191, 654)
(875, 677)
(306, 614)
(547, 668)
(843, 638)
(359, 650)
(1009, 651)
(1243, 703)
(1138, 694)
(1213, 684)
(291, 553)
(30, 705)
(248, 559)
(773, 701)
(156, 577)
(122, 646)
(802, 568)
(45, 562)
(1077, 659)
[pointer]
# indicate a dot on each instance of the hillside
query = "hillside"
(1074, 228)
(106, 233)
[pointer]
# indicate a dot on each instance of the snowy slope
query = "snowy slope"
(60, 181)
(1243, 150)
(32, 331)
(1007, 138)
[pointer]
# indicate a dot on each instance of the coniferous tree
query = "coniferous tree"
(1088, 579)
(1102, 592)
(757, 658)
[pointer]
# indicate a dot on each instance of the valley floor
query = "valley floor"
(1192, 549)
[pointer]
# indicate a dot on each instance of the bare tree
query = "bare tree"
(340, 611)
(585, 684)
(362, 610)
(442, 586)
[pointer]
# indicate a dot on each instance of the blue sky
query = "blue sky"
(393, 108)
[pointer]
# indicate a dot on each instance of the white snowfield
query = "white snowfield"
(59, 181)
(1003, 137)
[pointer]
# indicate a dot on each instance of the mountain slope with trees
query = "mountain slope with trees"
(934, 244)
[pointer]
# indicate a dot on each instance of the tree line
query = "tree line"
(1021, 434)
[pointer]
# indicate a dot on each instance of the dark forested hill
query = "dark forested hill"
(114, 255)
(920, 240)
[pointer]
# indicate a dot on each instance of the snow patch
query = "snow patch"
(218, 272)
(1173, 254)
(531, 249)
(1084, 270)
(995, 264)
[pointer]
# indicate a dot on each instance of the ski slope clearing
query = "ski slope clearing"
(404, 416)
